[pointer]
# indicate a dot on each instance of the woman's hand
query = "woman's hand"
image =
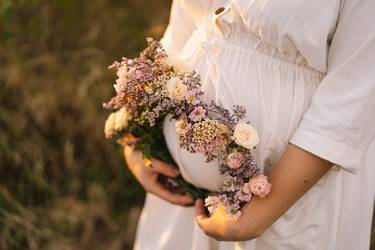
(293, 175)
(219, 227)
(149, 177)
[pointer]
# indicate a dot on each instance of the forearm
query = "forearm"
(292, 176)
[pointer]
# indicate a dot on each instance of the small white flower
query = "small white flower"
(246, 188)
(176, 88)
(109, 126)
(178, 65)
(122, 72)
(121, 119)
(245, 135)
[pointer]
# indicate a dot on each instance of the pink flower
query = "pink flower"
(234, 160)
(191, 97)
(260, 186)
(182, 127)
(198, 114)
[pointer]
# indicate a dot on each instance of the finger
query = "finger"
(201, 216)
(200, 211)
(178, 199)
(204, 222)
(165, 168)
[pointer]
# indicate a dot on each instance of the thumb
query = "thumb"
(165, 168)
(200, 212)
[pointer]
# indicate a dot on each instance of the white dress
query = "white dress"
(304, 70)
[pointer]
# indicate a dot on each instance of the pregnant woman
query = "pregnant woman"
(304, 71)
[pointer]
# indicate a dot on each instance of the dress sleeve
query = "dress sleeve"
(339, 125)
(181, 26)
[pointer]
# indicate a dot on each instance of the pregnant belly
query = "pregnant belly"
(274, 92)
(192, 166)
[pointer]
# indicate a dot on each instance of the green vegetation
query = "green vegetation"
(62, 185)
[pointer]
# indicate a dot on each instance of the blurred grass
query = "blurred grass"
(62, 186)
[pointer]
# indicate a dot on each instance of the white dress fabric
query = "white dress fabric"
(304, 71)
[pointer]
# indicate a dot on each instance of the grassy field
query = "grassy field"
(62, 186)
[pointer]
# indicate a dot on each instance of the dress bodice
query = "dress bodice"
(291, 26)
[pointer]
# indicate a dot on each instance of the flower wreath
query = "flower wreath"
(154, 85)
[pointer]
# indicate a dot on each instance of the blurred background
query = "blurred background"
(62, 185)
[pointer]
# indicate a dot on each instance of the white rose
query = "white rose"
(176, 88)
(245, 135)
(178, 65)
(121, 119)
(109, 126)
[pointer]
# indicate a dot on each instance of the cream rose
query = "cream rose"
(121, 119)
(109, 126)
(178, 65)
(176, 88)
(245, 135)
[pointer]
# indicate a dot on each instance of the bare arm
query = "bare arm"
(293, 175)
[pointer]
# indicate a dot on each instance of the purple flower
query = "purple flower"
(211, 202)
(198, 114)
(242, 196)
(233, 211)
(223, 200)
(229, 183)
(192, 97)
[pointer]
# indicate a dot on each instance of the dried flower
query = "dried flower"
(260, 186)
(121, 119)
(233, 211)
(229, 183)
(211, 202)
(147, 162)
(242, 196)
(198, 114)
(234, 160)
(155, 85)
(109, 126)
(176, 88)
(182, 127)
(192, 96)
(205, 131)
